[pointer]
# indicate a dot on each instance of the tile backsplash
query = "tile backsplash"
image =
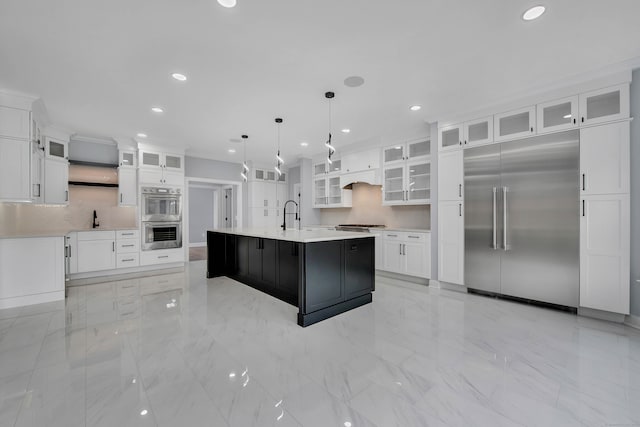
(23, 218)
(367, 209)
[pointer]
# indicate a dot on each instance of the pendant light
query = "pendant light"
(279, 161)
(245, 168)
(329, 96)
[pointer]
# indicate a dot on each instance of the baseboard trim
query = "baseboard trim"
(31, 299)
(632, 321)
(198, 245)
(396, 277)
(602, 315)
(145, 271)
(448, 286)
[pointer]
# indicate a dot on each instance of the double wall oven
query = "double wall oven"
(161, 218)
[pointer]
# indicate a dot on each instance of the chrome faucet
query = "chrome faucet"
(284, 213)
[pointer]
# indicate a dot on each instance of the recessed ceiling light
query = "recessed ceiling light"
(568, 116)
(157, 110)
(144, 412)
(415, 107)
(142, 135)
(304, 144)
(231, 150)
(179, 77)
(227, 3)
(346, 130)
(533, 13)
(353, 81)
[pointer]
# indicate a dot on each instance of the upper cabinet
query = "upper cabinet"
(407, 151)
(127, 158)
(451, 176)
(407, 184)
(604, 105)
(14, 170)
(604, 159)
(515, 124)
(474, 132)
(161, 168)
(361, 160)
(56, 148)
(561, 114)
(266, 175)
(320, 168)
(56, 182)
(14, 123)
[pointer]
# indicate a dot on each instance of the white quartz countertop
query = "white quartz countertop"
(377, 229)
(57, 233)
(301, 236)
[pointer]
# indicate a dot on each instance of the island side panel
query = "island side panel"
(323, 275)
(216, 254)
(288, 271)
(359, 267)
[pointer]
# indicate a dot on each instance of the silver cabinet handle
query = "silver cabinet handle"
(495, 231)
(113, 246)
(504, 218)
(66, 196)
(128, 246)
(584, 186)
(120, 197)
(163, 256)
(127, 234)
(459, 190)
(128, 260)
(400, 248)
(583, 208)
(392, 235)
(459, 209)
(414, 237)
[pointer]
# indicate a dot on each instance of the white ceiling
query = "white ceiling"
(99, 66)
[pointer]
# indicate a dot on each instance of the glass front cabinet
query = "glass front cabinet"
(515, 124)
(604, 105)
(561, 114)
(407, 184)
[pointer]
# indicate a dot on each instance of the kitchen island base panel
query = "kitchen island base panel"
(323, 278)
(305, 320)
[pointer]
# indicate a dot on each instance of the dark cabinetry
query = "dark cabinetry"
(358, 276)
(288, 268)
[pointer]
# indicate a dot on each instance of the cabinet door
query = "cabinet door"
(269, 175)
(242, 255)
(393, 190)
(335, 191)
(419, 149)
(478, 132)
(557, 115)
(14, 169)
(255, 258)
(319, 192)
(151, 176)
(172, 177)
(57, 149)
(56, 182)
(379, 251)
(288, 267)
(416, 260)
(127, 158)
(515, 124)
(256, 194)
(604, 105)
(335, 166)
(604, 159)
(173, 162)
(392, 255)
(96, 255)
(269, 195)
(127, 187)
(450, 242)
(450, 138)
(14, 123)
(604, 253)
(150, 159)
(393, 154)
(358, 260)
(37, 174)
(419, 182)
(450, 176)
(268, 262)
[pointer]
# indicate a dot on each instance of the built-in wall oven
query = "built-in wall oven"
(161, 235)
(161, 204)
(161, 218)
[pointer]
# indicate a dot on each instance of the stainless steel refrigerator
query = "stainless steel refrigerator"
(522, 218)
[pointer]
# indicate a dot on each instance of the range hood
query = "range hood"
(93, 174)
(370, 176)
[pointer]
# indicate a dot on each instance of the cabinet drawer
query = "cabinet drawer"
(96, 235)
(415, 237)
(128, 234)
(128, 260)
(393, 235)
(127, 246)
(161, 256)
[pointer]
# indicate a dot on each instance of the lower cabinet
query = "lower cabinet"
(96, 251)
(451, 242)
(358, 257)
(604, 252)
(262, 261)
(288, 269)
(407, 253)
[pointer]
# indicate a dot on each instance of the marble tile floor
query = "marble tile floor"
(181, 350)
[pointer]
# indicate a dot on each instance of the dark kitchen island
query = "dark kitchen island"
(323, 272)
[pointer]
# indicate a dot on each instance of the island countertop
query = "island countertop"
(300, 236)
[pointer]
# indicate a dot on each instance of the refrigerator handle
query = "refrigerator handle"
(504, 218)
(495, 231)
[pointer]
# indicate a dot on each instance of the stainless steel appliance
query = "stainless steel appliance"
(364, 228)
(161, 204)
(161, 235)
(522, 218)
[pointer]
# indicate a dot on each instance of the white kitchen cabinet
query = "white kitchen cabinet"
(334, 166)
(393, 185)
(320, 168)
(14, 123)
(96, 251)
(604, 253)
(56, 181)
(15, 170)
(265, 175)
(407, 253)
(450, 137)
(127, 186)
(37, 173)
(361, 160)
(451, 176)
(162, 256)
(451, 242)
(161, 176)
(407, 184)
(515, 124)
(31, 271)
(173, 162)
(603, 105)
(127, 248)
(604, 159)
(282, 194)
(414, 150)
(477, 132)
(320, 192)
(161, 168)
(328, 193)
(127, 158)
(379, 249)
(557, 115)
(56, 148)
(150, 159)
(71, 252)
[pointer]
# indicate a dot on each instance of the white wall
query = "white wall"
(201, 213)
(635, 194)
